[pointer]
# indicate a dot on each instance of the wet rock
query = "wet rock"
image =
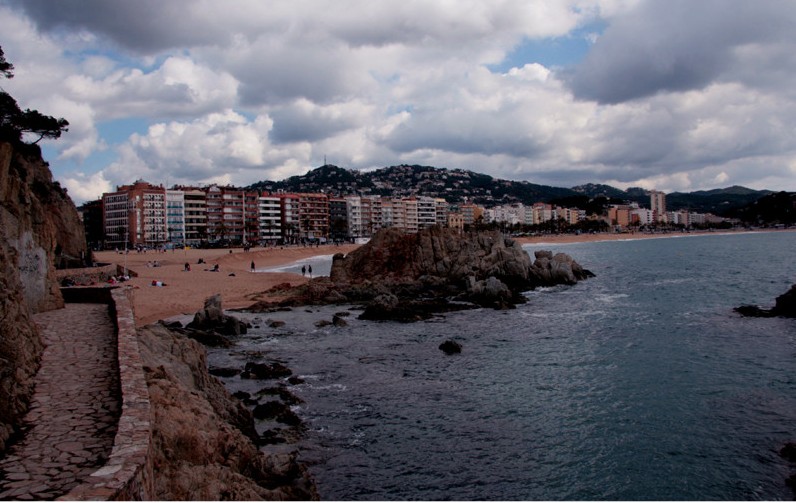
(322, 323)
(223, 371)
(785, 306)
(272, 437)
(283, 393)
(273, 370)
(450, 347)
(276, 323)
(789, 452)
(296, 380)
(269, 410)
(338, 321)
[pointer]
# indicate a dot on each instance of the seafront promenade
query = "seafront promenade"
(69, 430)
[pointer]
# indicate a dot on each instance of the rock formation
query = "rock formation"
(204, 441)
(785, 306)
(409, 277)
(39, 229)
(212, 318)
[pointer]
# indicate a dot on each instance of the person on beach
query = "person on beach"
(303, 270)
(309, 269)
(252, 265)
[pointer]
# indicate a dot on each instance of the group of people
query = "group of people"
(306, 269)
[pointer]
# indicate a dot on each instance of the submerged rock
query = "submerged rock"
(450, 347)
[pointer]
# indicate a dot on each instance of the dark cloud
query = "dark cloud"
(678, 45)
(465, 132)
(143, 26)
(298, 123)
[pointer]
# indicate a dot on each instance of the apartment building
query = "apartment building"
(175, 216)
(338, 219)
(314, 216)
(426, 212)
(135, 215)
(289, 208)
(658, 205)
(232, 215)
(195, 210)
(269, 219)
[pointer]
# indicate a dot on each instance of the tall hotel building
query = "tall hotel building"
(658, 205)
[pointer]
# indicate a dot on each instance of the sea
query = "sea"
(638, 384)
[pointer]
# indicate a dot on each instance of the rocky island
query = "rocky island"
(408, 277)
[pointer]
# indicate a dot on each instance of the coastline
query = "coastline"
(185, 292)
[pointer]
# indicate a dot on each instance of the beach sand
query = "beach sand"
(185, 292)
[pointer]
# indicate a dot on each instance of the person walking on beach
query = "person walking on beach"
(303, 270)
(252, 265)
(309, 269)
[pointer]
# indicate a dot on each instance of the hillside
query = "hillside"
(453, 185)
(457, 185)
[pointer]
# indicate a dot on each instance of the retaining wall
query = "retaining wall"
(128, 473)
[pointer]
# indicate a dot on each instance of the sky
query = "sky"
(675, 95)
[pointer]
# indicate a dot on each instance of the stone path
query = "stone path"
(69, 430)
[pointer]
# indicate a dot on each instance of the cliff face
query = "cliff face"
(37, 223)
(202, 437)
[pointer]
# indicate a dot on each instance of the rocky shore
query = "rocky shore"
(206, 446)
(410, 277)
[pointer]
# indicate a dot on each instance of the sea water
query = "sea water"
(640, 383)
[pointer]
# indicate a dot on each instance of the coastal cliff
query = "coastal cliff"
(39, 226)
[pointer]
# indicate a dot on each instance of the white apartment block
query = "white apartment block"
(269, 218)
(426, 212)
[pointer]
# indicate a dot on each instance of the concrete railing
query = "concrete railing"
(128, 472)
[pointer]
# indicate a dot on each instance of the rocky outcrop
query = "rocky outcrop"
(785, 306)
(212, 318)
(409, 277)
(204, 440)
(39, 227)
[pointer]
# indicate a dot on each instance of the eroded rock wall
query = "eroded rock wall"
(39, 225)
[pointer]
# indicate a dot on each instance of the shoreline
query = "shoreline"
(184, 292)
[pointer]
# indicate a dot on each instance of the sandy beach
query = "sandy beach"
(185, 292)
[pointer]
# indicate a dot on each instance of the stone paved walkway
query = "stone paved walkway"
(69, 430)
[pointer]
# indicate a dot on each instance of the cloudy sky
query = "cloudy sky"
(674, 95)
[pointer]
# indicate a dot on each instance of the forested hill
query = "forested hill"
(456, 185)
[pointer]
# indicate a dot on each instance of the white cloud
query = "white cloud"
(85, 187)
